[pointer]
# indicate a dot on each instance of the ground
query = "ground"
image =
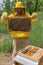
(5, 59)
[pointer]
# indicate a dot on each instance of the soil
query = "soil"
(5, 59)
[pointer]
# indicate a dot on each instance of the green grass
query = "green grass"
(36, 37)
(3, 28)
(6, 46)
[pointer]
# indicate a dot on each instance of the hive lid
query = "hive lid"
(31, 52)
(24, 61)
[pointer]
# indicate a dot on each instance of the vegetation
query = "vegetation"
(36, 37)
(6, 45)
(31, 5)
(3, 28)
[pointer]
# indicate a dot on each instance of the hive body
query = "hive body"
(30, 55)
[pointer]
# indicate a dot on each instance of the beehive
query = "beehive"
(30, 55)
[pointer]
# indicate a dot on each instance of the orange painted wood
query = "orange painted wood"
(33, 53)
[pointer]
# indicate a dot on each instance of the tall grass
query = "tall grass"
(36, 37)
(3, 28)
(6, 46)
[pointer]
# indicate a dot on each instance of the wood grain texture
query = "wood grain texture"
(33, 53)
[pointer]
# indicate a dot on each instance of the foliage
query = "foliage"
(31, 5)
(3, 28)
(36, 37)
(0, 13)
(7, 6)
(6, 45)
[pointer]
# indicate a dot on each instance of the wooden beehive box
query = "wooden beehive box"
(30, 55)
(33, 53)
(19, 24)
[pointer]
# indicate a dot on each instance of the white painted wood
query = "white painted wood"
(24, 61)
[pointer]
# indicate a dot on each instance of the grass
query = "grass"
(36, 37)
(6, 46)
(3, 28)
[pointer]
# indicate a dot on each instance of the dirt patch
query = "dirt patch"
(5, 59)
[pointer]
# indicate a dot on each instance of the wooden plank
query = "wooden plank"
(34, 53)
(24, 61)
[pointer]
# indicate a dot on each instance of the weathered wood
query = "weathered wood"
(34, 53)
(30, 55)
(41, 61)
(24, 61)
